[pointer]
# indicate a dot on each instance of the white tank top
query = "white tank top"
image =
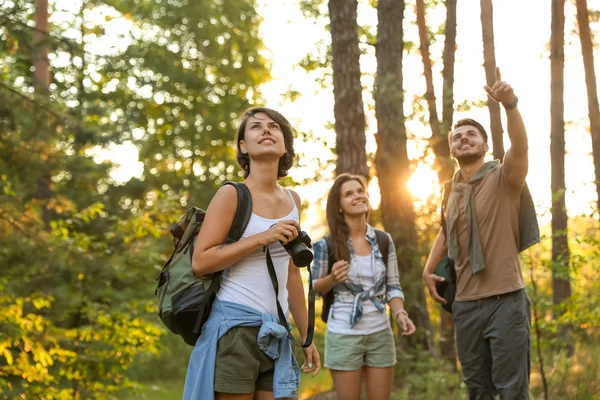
(372, 320)
(247, 282)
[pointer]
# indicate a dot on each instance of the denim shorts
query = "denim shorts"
(351, 352)
(241, 366)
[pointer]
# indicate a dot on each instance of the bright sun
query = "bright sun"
(422, 184)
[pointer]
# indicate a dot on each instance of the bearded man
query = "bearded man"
(488, 220)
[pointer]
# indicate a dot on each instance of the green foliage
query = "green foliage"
(313, 9)
(422, 377)
(80, 248)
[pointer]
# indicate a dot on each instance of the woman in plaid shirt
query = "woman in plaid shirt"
(359, 339)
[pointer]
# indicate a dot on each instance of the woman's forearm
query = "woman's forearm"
(324, 285)
(222, 256)
(297, 300)
(396, 304)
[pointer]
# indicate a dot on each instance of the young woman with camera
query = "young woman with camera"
(251, 352)
(359, 341)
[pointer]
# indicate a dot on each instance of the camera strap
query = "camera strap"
(280, 314)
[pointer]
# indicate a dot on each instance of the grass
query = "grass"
(169, 390)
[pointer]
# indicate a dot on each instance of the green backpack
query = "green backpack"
(185, 300)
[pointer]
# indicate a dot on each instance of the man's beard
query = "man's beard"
(469, 159)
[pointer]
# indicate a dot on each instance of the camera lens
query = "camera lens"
(301, 255)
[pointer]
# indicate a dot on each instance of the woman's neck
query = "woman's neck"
(263, 177)
(357, 225)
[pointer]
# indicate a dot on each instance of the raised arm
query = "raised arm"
(515, 160)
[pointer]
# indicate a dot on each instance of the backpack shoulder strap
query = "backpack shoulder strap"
(383, 240)
(445, 197)
(330, 253)
(240, 222)
(242, 213)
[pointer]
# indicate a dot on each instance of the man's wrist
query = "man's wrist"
(512, 105)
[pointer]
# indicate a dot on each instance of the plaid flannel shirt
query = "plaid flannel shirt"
(387, 280)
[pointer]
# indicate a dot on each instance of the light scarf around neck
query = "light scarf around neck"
(466, 191)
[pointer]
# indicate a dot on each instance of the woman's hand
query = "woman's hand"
(283, 231)
(312, 360)
(405, 323)
(339, 271)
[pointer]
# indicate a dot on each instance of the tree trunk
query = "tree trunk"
(439, 131)
(439, 138)
(561, 287)
(41, 79)
(489, 64)
(587, 51)
(347, 90)
(40, 48)
(393, 164)
(448, 72)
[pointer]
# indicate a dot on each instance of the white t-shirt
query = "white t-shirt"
(372, 319)
(247, 282)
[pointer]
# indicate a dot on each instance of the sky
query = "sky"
(522, 34)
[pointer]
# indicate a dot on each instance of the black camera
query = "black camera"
(299, 250)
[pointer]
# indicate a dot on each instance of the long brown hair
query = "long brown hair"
(338, 229)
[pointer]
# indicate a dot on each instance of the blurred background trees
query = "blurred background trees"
(89, 86)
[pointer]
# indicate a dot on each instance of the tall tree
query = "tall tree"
(439, 130)
(40, 46)
(489, 64)
(587, 51)
(561, 287)
(391, 159)
(347, 90)
(175, 88)
(41, 78)
(448, 71)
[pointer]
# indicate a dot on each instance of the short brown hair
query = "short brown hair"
(471, 122)
(287, 160)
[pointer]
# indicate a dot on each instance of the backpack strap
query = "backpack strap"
(238, 226)
(281, 315)
(242, 213)
(445, 197)
(383, 240)
(330, 253)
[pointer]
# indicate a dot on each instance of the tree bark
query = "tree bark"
(489, 64)
(393, 164)
(41, 79)
(439, 131)
(438, 138)
(561, 287)
(347, 90)
(40, 49)
(448, 72)
(587, 51)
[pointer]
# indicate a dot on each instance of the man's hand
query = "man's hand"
(339, 271)
(501, 92)
(430, 280)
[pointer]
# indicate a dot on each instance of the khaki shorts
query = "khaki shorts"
(351, 352)
(241, 366)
